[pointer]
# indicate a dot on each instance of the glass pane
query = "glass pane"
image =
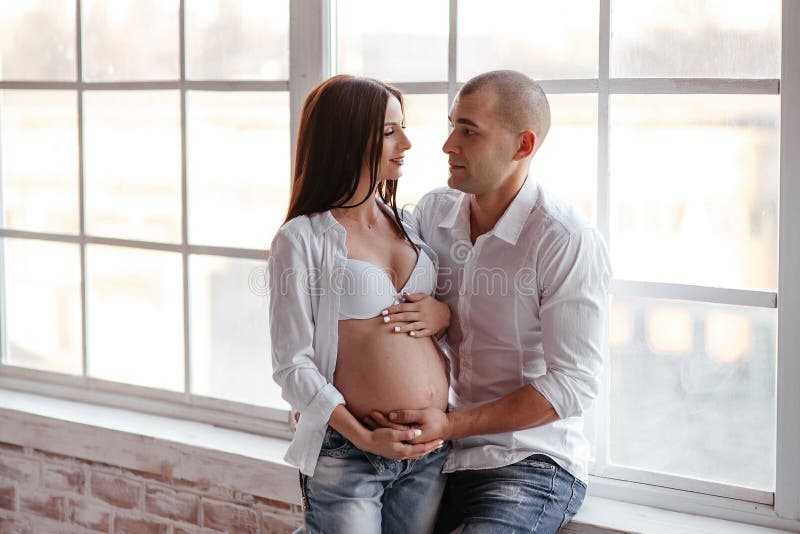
(543, 39)
(693, 390)
(390, 42)
(132, 164)
(231, 356)
(37, 40)
(39, 163)
(694, 189)
(130, 40)
(42, 304)
(425, 165)
(241, 39)
(238, 167)
(696, 38)
(556, 165)
(135, 316)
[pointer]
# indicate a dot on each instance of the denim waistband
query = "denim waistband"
(543, 458)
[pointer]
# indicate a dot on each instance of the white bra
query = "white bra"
(367, 289)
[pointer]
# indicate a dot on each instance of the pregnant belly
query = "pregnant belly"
(377, 369)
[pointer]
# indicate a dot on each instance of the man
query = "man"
(527, 282)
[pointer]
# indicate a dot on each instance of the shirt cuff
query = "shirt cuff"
(323, 404)
(551, 390)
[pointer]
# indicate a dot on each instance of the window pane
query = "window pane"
(393, 42)
(135, 316)
(42, 304)
(37, 40)
(132, 164)
(694, 189)
(425, 165)
(693, 390)
(130, 40)
(543, 39)
(696, 38)
(238, 167)
(241, 39)
(39, 163)
(231, 356)
(557, 165)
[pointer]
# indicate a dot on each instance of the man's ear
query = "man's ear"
(527, 140)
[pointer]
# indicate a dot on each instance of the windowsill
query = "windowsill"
(252, 463)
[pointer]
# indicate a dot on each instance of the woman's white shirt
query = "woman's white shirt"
(306, 267)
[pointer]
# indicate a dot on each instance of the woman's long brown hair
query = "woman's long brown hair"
(341, 125)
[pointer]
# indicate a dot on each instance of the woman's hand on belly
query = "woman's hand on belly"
(432, 423)
(382, 441)
(396, 444)
(419, 316)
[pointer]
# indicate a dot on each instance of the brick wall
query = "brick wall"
(43, 492)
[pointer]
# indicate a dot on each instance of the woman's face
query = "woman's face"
(395, 142)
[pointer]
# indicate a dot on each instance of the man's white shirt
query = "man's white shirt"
(529, 303)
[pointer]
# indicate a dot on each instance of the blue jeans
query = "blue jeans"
(353, 491)
(533, 495)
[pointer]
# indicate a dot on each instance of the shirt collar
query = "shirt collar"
(510, 225)
(459, 205)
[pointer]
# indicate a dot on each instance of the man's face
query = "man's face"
(479, 148)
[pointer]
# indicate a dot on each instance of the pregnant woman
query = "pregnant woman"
(344, 255)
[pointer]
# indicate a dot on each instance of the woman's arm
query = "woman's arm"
(292, 331)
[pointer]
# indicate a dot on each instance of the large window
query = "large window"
(144, 174)
(145, 166)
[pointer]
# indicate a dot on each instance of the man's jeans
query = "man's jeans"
(533, 495)
(353, 491)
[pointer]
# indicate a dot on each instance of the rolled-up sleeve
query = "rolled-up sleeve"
(574, 276)
(292, 331)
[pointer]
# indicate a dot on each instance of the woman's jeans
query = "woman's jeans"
(533, 495)
(353, 491)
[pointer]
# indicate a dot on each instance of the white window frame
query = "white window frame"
(186, 405)
(312, 59)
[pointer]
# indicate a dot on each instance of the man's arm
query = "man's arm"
(524, 408)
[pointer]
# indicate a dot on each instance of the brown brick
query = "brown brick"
(47, 455)
(64, 478)
(204, 486)
(42, 503)
(18, 469)
(14, 526)
(89, 514)
(190, 530)
(116, 490)
(130, 525)
(280, 524)
(7, 498)
(224, 516)
(172, 504)
(10, 447)
(272, 504)
(153, 476)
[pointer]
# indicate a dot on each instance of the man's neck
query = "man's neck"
(487, 208)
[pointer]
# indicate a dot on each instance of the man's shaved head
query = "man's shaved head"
(519, 102)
